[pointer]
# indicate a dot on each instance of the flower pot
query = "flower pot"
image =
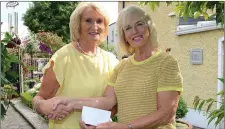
(183, 125)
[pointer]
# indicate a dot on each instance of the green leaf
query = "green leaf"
(196, 101)
(14, 74)
(3, 111)
(212, 116)
(200, 106)
(220, 117)
(221, 79)
(30, 68)
(221, 93)
(209, 106)
(196, 15)
(206, 16)
(210, 100)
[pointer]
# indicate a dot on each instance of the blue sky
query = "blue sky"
(110, 7)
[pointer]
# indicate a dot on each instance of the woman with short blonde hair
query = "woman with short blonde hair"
(78, 69)
(76, 17)
(122, 18)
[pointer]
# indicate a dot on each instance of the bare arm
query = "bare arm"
(49, 87)
(107, 102)
(167, 102)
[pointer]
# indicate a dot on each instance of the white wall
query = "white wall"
(112, 39)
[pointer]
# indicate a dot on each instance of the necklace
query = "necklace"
(93, 55)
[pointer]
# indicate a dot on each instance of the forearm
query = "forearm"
(37, 103)
(95, 102)
(159, 117)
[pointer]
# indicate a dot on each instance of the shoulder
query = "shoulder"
(167, 58)
(63, 52)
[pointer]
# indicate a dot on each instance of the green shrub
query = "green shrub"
(27, 98)
(182, 109)
(214, 114)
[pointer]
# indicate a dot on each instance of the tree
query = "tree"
(195, 9)
(50, 16)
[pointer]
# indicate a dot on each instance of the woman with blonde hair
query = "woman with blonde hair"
(78, 69)
(146, 86)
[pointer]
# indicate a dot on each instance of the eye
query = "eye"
(99, 21)
(88, 20)
(127, 28)
(140, 23)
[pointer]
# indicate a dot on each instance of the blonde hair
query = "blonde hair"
(75, 19)
(134, 10)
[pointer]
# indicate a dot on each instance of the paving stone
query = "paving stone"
(33, 118)
(13, 120)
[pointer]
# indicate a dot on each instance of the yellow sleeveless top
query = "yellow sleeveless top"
(136, 85)
(80, 75)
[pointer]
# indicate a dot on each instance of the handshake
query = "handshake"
(56, 108)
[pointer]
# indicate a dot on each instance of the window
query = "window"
(195, 25)
(113, 36)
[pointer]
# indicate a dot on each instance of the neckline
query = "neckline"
(146, 60)
(82, 54)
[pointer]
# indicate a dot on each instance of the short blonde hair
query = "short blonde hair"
(134, 10)
(75, 19)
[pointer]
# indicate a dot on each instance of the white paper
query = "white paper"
(94, 116)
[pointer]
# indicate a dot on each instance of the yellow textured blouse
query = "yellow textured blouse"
(136, 85)
(80, 75)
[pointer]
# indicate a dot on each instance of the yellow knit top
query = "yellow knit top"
(80, 75)
(136, 85)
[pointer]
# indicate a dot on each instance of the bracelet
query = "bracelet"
(130, 126)
(35, 106)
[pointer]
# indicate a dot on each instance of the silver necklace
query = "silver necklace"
(93, 55)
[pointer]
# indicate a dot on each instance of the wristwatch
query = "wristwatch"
(130, 126)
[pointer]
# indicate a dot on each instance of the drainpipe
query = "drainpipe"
(220, 68)
(123, 3)
(221, 48)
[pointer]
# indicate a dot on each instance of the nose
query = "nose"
(134, 30)
(95, 25)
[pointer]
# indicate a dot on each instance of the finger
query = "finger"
(49, 116)
(67, 108)
(81, 124)
(55, 104)
(63, 113)
(54, 116)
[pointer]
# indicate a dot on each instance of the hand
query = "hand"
(60, 113)
(64, 101)
(45, 106)
(84, 126)
(112, 125)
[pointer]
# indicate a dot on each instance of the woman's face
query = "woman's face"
(136, 31)
(92, 25)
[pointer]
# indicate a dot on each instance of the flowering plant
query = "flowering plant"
(45, 42)
(49, 42)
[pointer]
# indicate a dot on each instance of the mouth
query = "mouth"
(93, 33)
(137, 38)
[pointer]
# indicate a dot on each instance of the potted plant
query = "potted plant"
(214, 114)
(7, 59)
(181, 113)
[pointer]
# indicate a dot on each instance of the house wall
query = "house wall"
(113, 39)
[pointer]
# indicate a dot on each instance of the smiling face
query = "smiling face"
(92, 26)
(136, 31)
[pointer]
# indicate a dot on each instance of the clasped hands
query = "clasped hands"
(58, 108)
